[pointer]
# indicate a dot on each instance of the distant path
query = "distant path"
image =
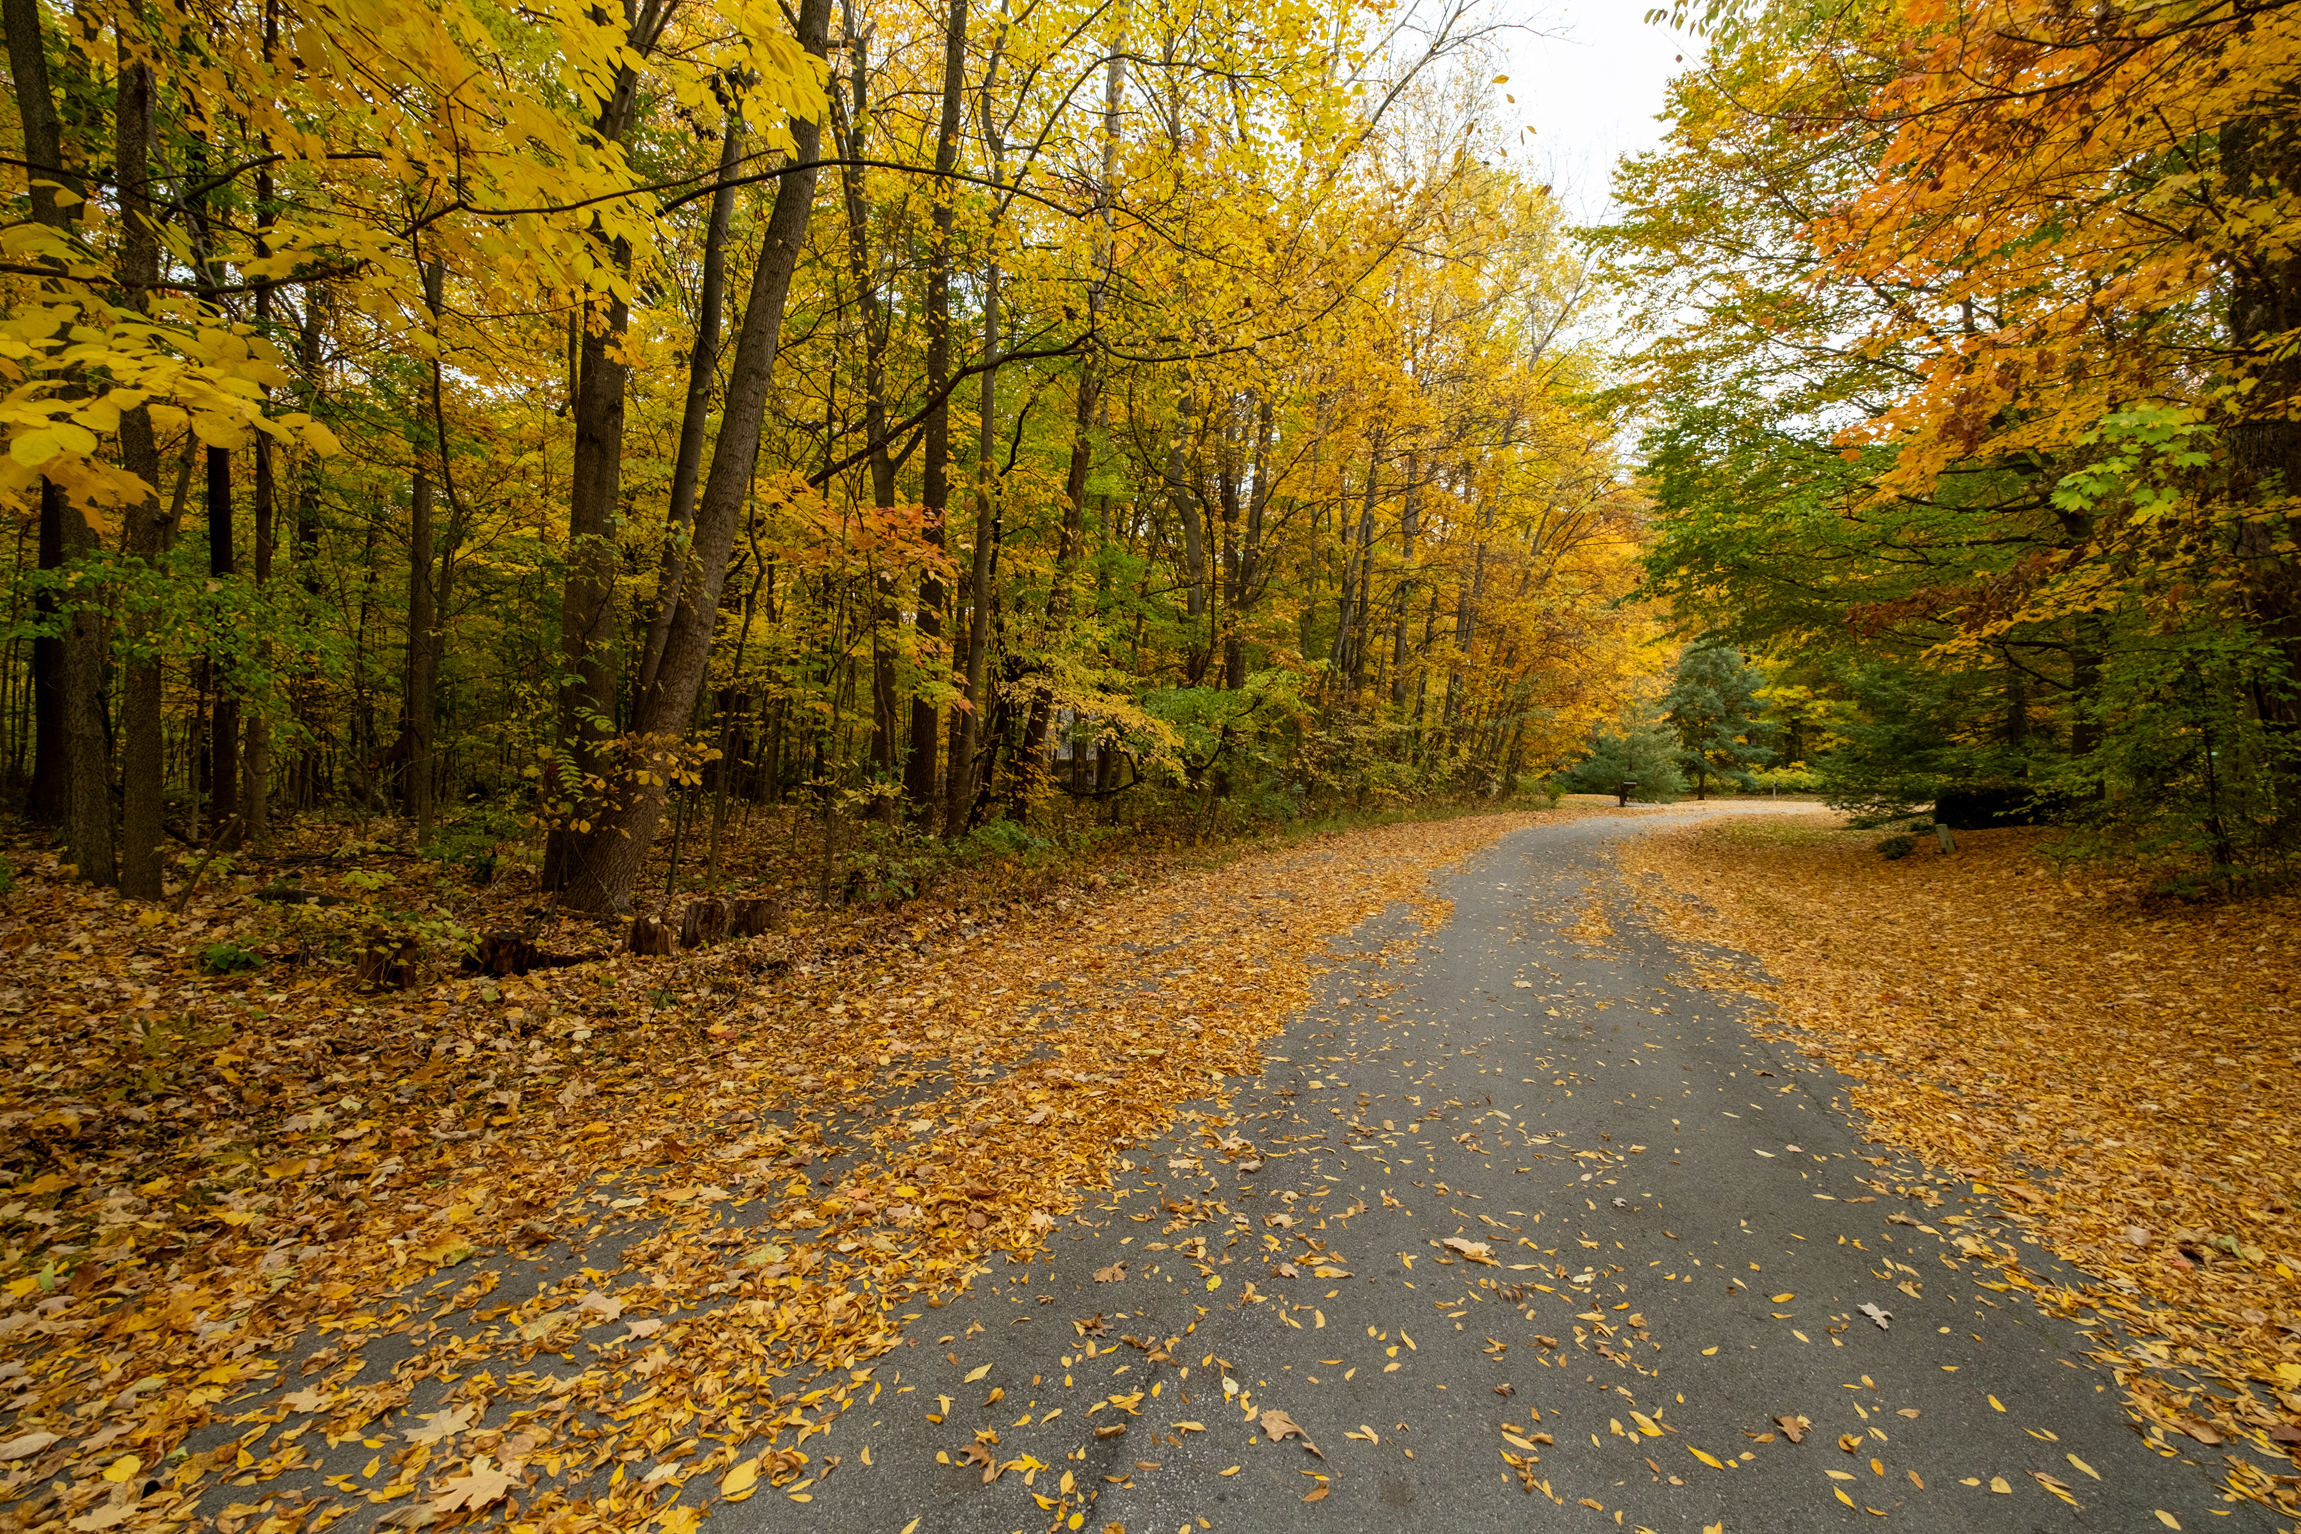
(1535, 1076)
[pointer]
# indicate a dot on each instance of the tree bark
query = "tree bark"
(967, 726)
(1030, 763)
(148, 527)
(587, 694)
(422, 659)
(224, 717)
(935, 471)
(702, 363)
(602, 878)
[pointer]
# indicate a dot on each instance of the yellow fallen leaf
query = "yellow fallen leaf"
(740, 1479)
(1997, 1484)
(1784, 1299)
(2082, 1465)
(2168, 1519)
(1839, 1492)
(1646, 1424)
(1706, 1459)
(1996, 1403)
(1233, 1470)
(977, 1372)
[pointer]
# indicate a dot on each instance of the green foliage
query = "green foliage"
(229, 959)
(1638, 751)
(1711, 707)
(1896, 848)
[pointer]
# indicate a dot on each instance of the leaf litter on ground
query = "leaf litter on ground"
(221, 1187)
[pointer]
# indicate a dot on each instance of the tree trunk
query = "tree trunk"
(1030, 763)
(702, 363)
(422, 660)
(587, 612)
(224, 719)
(935, 482)
(601, 879)
(967, 726)
(87, 743)
(148, 527)
(595, 492)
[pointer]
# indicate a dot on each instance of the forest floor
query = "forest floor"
(621, 1243)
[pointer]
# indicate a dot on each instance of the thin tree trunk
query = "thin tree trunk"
(601, 879)
(935, 472)
(1030, 763)
(967, 727)
(422, 659)
(702, 362)
(224, 718)
(148, 529)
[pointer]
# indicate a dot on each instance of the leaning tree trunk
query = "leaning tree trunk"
(601, 877)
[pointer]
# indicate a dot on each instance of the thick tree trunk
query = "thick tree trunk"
(601, 879)
(587, 611)
(587, 693)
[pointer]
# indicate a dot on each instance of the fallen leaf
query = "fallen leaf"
(1793, 1428)
(1279, 1426)
(1998, 1484)
(1849, 1441)
(1476, 1251)
(1317, 1494)
(1881, 1317)
(441, 1424)
(23, 1444)
(483, 1483)
(1114, 1274)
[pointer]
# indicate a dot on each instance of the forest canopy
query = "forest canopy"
(941, 415)
(1965, 340)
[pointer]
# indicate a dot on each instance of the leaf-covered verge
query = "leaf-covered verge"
(2118, 1071)
(219, 1185)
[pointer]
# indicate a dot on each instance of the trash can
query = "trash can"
(1626, 789)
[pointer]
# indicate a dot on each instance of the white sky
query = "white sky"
(1589, 78)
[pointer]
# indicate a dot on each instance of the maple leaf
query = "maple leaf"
(980, 1454)
(483, 1483)
(441, 1424)
(1114, 1274)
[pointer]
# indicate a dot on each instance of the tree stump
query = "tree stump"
(704, 924)
(756, 914)
(507, 952)
(650, 937)
(387, 961)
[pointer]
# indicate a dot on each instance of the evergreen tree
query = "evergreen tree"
(1712, 706)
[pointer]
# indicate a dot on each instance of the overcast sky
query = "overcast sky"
(1589, 78)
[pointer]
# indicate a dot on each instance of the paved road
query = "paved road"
(1681, 1232)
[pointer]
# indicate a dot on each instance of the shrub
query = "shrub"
(229, 959)
(1896, 848)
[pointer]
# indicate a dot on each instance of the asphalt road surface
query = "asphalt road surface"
(1673, 1238)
